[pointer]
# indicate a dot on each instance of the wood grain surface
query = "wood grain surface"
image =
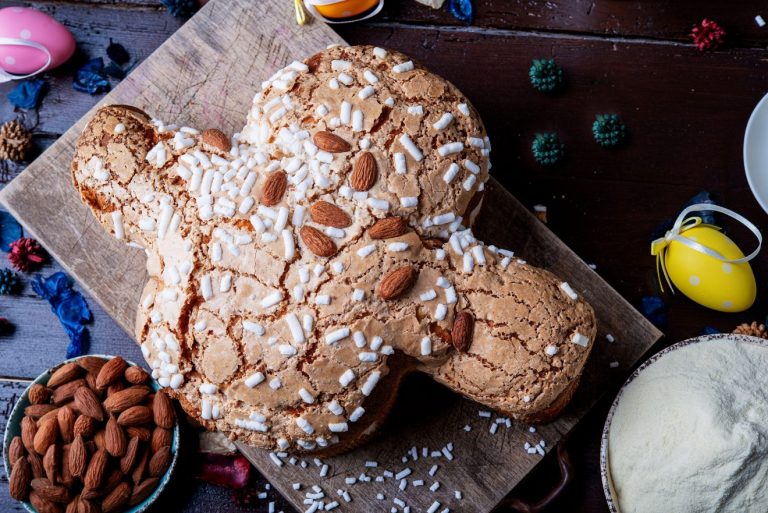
(205, 77)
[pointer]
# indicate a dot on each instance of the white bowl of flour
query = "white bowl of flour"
(688, 431)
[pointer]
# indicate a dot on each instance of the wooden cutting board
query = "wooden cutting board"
(205, 76)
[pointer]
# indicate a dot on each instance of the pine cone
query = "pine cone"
(754, 329)
(26, 254)
(9, 282)
(708, 35)
(608, 130)
(15, 141)
(547, 148)
(545, 75)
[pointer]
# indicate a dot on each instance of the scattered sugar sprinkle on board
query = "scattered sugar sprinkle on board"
(260, 37)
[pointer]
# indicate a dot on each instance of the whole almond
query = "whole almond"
(365, 173)
(36, 464)
(162, 410)
(90, 381)
(117, 498)
(42, 505)
(77, 459)
(66, 478)
(18, 481)
(98, 439)
(66, 419)
(116, 387)
(121, 401)
(96, 470)
(51, 463)
(50, 491)
(328, 214)
(160, 438)
(85, 426)
(15, 449)
(388, 228)
(46, 435)
(143, 490)
(36, 411)
(38, 394)
(87, 403)
(274, 188)
(111, 372)
(160, 461)
(64, 374)
(330, 142)
(461, 334)
(87, 506)
(91, 364)
(64, 393)
(72, 506)
(141, 432)
(216, 138)
(317, 242)
(397, 282)
(135, 416)
(131, 455)
(114, 439)
(28, 430)
(136, 375)
(140, 468)
(53, 414)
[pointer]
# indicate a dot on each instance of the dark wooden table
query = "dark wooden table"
(686, 112)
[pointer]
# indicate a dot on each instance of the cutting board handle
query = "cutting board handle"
(512, 504)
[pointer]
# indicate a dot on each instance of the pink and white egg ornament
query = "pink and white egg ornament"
(32, 41)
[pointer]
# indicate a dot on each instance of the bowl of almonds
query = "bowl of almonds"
(93, 434)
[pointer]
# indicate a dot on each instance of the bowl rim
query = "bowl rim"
(605, 474)
(748, 171)
(17, 411)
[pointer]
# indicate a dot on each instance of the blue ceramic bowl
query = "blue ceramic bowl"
(14, 428)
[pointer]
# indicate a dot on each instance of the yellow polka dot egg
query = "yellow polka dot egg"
(706, 280)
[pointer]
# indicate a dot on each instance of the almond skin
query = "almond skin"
(135, 416)
(274, 188)
(66, 478)
(66, 420)
(217, 139)
(160, 438)
(38, 394)
(461, 334)
(365, 173)
(15, 449)
(142, 490)
(77, 459)
(117, 498)
(111, 372)
(36, 411)
(91, 364)
(140, 468)
(85, 426)
(114, 439)
(140, 432)
(124, 399)
(160, 461)
(136, 375)
(330, 142)
(54, 413)
(328, 214)
(46, 435)
(36, 464)
(317, 242)
(51, 462)
(87, 403)
(388, 228)
(42, 505)
(162, 410)
(87, 506)
(64, 374)
(18, 481)
(50, 491)
(397, 282)
(97, 467)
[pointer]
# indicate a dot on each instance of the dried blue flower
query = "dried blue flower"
(709, 330)
(70, 308)
(92, 78)
(181, 8)
(27, 94)
(461, 10)
(117, 53)
(655, 310)
(10, 230)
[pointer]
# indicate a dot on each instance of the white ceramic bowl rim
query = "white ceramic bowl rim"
(762, 198)
(17, 411)
(604, 470)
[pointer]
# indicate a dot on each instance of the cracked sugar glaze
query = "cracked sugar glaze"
(690, 432)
